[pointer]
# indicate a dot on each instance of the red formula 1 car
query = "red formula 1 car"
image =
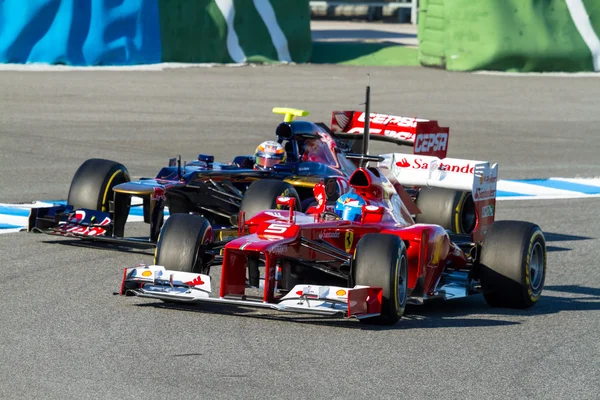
(367, 264)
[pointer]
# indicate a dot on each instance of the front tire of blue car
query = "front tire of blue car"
(181, 244)
(91, 188)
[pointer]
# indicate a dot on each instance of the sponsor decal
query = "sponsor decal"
(386, 119)
(280, 249)
(403, 163)
(488, 179)
(484, 194)
(419, 163)
(429, 142)
(329, 235)
(158, 193)
(78, 224)
(400, 135)
(147, 273)
(348, 240)
(340, 292)
(197, 281)
(487, 211)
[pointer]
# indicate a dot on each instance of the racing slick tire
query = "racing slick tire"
(91, 188)
(513, 264)
(453, 210)
(262, 195)
(179, 246)
(380, 260)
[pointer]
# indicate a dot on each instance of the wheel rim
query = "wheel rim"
(402, 281)
(536, 267)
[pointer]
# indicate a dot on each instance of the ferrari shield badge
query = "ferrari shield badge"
(348, 240)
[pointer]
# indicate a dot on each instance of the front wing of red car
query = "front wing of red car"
(156, 282)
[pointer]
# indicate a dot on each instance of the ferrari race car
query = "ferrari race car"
(100, 196)
(365, 258)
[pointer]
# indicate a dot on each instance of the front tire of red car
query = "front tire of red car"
(380, 260)
(513, 264)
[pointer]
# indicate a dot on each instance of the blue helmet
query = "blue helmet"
(349, 206)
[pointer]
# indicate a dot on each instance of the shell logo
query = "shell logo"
(341, 292)
(147, 273)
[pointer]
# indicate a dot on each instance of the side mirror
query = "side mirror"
(287, 201)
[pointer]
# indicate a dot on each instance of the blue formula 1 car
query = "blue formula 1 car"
(101, 194)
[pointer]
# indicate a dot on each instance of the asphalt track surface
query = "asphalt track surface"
(63, 334)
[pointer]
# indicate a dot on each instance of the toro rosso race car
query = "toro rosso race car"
(365, 257)
(100, 196)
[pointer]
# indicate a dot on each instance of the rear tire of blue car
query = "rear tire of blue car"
(513, 264)
(453, 210)
(380, 260)
(91, 188)
(180, 244)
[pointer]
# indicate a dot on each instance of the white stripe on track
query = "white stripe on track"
(233, 43)
(265, 9)
(586, 30)
(524, 188)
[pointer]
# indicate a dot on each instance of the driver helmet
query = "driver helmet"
(349, 206)
(268, 154)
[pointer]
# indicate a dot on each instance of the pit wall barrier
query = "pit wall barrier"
(510, 35)
(128, 32)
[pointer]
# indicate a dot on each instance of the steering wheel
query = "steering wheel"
(329, 216)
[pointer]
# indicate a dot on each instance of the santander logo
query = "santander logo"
(419, 163)
(403, 163)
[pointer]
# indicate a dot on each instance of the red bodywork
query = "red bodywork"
(280, 235)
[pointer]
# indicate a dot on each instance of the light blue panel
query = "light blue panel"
(80, 32)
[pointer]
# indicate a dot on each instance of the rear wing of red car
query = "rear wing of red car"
(478, 177)
(426, 137)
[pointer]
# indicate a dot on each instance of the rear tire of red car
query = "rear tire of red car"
(380, 260)
(91, 188)
(513, 264)
(179, 246)
(262, 195)
(453, 210)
